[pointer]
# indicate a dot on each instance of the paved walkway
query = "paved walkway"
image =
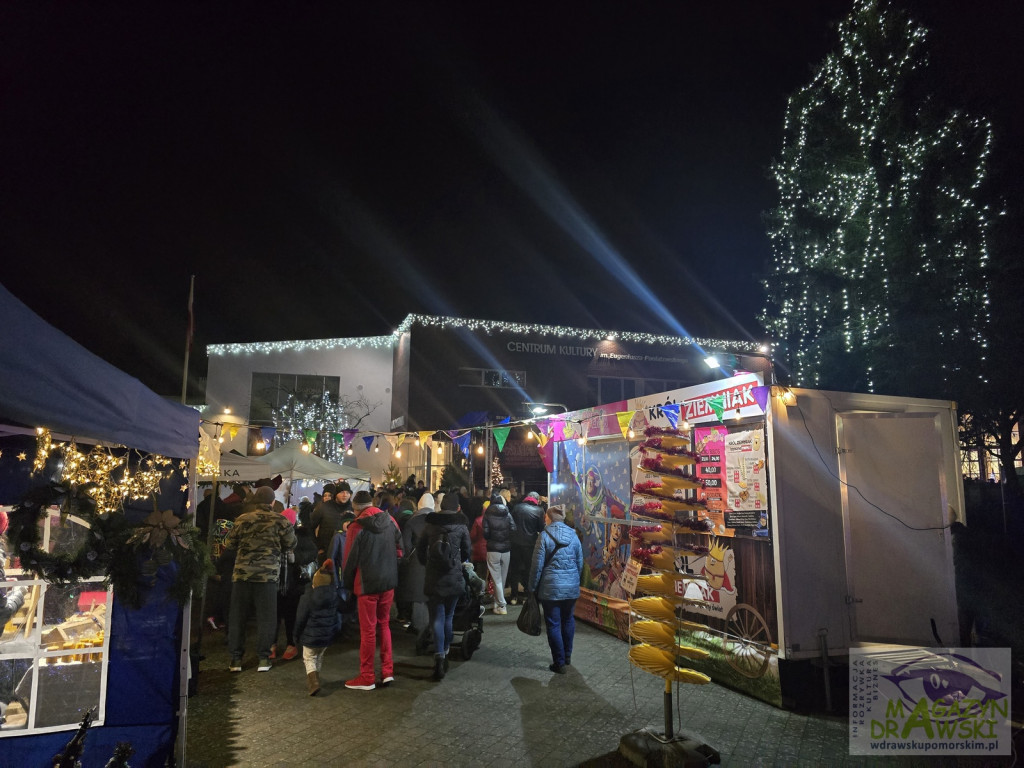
(501, 708)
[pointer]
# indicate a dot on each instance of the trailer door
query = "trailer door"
(898, 555)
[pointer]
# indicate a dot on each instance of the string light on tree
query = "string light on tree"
(880, 237)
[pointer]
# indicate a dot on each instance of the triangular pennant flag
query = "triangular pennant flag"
(717, 404)
(368, 441)
(463, 442)
(310, 435)
(761, 397)
(558, 431)
(452, 433)
(671, 411)
(542, 439)
(547, 455)
(349, 435)
(625, 419)
(501, 435)
(233, 431)
(425, 436)
(338, 437)
(506, 420)
(268, 433)
(394, 441)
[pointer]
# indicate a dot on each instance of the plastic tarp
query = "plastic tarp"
(47, 379)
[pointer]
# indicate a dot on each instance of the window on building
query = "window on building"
(491, 377)
(272, 390)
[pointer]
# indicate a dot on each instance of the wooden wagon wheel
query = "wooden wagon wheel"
(747, 641)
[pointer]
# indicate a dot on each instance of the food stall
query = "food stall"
(72, 648)
(825, 524)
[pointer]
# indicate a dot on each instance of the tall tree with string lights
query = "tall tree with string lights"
(878, 281)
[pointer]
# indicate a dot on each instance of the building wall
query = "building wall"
(365, 370)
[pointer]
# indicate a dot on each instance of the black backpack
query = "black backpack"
(443, 553)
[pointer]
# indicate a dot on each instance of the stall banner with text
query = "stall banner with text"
(930, 701)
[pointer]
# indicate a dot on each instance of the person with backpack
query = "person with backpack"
(498, 526)
(373, 547)
(443, 548)
(555, 578)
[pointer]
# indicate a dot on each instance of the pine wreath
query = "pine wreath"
(128, 556)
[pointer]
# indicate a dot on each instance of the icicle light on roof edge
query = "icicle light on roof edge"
(487, 326)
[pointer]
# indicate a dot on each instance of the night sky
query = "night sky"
(324, 171)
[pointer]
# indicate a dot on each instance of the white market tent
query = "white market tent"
(289, 461)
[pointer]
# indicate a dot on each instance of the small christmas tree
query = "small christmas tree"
(497, 478)
(392, 475)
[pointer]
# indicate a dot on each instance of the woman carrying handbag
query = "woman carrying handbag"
(555, 574)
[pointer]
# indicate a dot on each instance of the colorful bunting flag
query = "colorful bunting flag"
(501, 435)
(671, 411)
(310, 435)
(717, 404)
(625, 419)
(368, 441)
(425, 437)
(761, 397)
(463, 442)
(349, 435)
(267, 433)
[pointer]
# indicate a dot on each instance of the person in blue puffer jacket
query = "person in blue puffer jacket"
(317, 622)
(557, 585)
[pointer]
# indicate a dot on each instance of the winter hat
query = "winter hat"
(557, 514)
(330, 488)
(498, 500)
(264, 495)
(361, 501)
(343, 486)
(532, 496)
(426, 502)
(291, 515)
(324, 575)
(450, 502)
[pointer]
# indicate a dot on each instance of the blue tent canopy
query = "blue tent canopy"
(49, 380)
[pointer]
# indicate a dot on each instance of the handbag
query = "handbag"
(529, 620)
(529, 617)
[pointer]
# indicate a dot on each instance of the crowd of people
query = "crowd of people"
(350, 565)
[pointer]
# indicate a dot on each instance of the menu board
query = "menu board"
(746, 491)
(709, 445)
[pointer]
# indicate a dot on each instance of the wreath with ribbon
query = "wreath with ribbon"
(128, 555)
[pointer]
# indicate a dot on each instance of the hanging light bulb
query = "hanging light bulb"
(305, 447)
(349, 451)
(737, 416)
(440, 450)
(376, 447)
(417, 441)
(220, 439)
(632, 434)
(480, 448)
(398, 453)
(529, 434)
(260, 445)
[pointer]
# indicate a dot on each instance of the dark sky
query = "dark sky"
(324, 170)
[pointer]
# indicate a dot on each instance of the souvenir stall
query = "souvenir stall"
(101, 562)
(785, 525)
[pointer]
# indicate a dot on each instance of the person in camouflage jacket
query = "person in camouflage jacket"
(258, 540)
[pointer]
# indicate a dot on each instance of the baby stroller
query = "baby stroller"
(468, 622)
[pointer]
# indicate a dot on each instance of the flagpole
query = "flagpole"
(188, 338)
